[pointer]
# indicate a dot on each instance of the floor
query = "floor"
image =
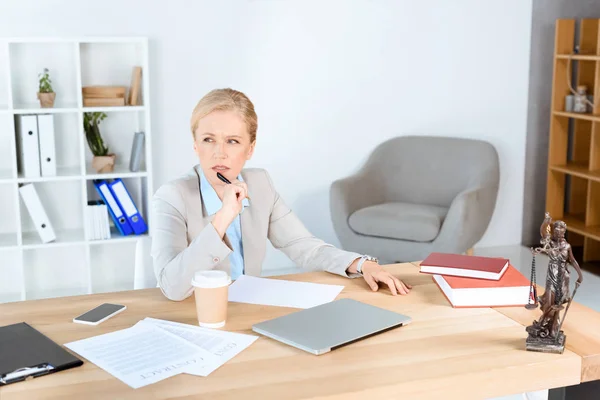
(520, 257)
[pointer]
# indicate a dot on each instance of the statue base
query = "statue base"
(547, 344)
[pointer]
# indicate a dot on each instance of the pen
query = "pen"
(24, 372)
(221, 177)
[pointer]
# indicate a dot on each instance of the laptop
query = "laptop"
(326, 327)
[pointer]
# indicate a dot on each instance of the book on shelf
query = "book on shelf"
(28, 146)
(510, 290)
(121, 207)
(463, 265)
(103, 96)
(116, 102)
(137, 152)
(125, 201)
(37, 212)
(103, 92)
(36, 152)
(96, 219)
(135, 89)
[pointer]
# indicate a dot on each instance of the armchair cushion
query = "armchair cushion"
(398, 220)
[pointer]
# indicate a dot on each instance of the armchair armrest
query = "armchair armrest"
(350, 194)
(467, 220)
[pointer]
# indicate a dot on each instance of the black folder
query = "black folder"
(27, 353)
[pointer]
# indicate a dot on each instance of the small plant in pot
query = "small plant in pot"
(102, 162)
(46, 94)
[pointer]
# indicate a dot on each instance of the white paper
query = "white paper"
(143, 354)
(275, 292)
(225, 345)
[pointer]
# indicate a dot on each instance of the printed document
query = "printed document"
(144, 354)
(275, 292)
(224, 345)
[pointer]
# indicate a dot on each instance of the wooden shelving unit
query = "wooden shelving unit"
(573, 186)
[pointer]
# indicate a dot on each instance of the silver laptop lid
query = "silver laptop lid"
(323, 328)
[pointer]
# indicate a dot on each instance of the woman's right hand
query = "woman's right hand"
(232, 205)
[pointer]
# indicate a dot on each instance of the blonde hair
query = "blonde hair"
(226, 100)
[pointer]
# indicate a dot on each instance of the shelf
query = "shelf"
(116, 237)
(118, 131)
(8, 240)
(579, 57)
(4, 78)
(578, 170)
(31, 239)
(34, 108)
(587, 117)
(8, 217)
(120, 171)
(573, 179)
(577, 224)
(62, 174)
(72, 264)
(6, 176)
(113, 109)
(7, 147)
(72, 174)
(28, 60)
(12, 278)
(112, 269)
(53, 271)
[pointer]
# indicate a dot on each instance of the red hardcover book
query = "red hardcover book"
(511, 290)
(466, 266)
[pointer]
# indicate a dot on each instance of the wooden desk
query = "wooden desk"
(582, 328)
(445, 353)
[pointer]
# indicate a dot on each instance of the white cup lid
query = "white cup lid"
(211, 279)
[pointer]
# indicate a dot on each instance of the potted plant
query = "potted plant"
(103, 161)
(46, 94)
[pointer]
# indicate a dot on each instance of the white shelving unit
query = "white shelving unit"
(71, 265)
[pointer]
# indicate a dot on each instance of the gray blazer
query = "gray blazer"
(184, 240)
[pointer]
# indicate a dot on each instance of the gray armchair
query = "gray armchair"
(415, 195)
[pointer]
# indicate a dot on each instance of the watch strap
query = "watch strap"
(362, 261)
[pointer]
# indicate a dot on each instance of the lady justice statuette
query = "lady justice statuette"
(545, 334)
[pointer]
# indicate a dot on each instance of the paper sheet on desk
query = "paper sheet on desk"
(144, 354)
(225, 345)
(275, 292)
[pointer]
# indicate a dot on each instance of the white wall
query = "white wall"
(330, 80)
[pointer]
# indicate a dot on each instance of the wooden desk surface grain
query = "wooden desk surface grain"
(581, 327)
(444, 353)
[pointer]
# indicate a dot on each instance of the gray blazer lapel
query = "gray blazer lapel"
(252, 264)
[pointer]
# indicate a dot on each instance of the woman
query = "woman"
(202, 223)
(557, 276)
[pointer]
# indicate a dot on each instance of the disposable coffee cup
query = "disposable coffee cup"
(211, 289)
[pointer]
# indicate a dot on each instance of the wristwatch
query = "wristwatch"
(362, 260)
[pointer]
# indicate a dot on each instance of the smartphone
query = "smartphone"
(99, 314)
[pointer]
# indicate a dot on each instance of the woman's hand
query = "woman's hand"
(232, 198)
(232, 205)
(374, 273)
